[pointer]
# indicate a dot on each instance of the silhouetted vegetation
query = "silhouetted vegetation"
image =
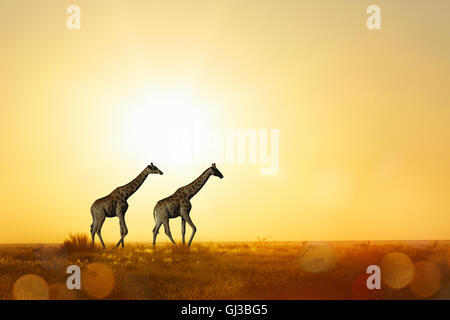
(78, 242)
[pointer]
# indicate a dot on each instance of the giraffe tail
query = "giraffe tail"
(154, 217)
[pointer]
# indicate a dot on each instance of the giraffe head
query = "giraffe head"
(215, 171)
(153, 169)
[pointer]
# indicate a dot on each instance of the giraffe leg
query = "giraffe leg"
(121, 236)
(123, 231)
(99, 234)
(194, 228)
(156, 230)
(98, 230)
(93, 232)
(97, 216)
(121, 209)
(167, 230)
(183, 228)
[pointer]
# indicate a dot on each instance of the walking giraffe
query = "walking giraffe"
(115, 205)
(179, 204)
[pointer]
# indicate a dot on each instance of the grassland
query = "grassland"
(254, 270)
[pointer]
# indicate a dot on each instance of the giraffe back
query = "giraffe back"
(173, 204)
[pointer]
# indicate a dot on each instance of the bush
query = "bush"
(78, 242)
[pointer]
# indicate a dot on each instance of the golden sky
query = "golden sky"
(363, 116)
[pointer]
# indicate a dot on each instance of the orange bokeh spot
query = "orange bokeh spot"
(97, 280)
(397, 270)
(30, 287)
(427, 279)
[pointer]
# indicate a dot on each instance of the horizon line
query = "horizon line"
(231, 241)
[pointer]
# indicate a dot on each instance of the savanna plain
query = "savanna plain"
(227, 270)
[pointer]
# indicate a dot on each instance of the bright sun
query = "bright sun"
(149, 122)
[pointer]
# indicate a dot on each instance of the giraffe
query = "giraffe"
(115, 205)
(179, 204)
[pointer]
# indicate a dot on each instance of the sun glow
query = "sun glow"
(149, 122)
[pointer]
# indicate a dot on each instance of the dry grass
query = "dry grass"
(78, 242)
(240, 270)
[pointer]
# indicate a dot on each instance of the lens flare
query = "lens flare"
(98, 280)
(427, 279)
(318, 259)
(397, 270)
(30, 287)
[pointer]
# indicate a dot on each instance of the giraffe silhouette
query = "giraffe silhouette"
(115, 205)
(179, 204)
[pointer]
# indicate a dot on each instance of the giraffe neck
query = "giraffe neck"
(191, 189)
(131, 187)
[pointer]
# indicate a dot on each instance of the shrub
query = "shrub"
(78, 242)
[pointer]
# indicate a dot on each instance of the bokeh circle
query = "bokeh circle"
(427, 279)
(30, 287)
(98, 280)
(397, 270)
